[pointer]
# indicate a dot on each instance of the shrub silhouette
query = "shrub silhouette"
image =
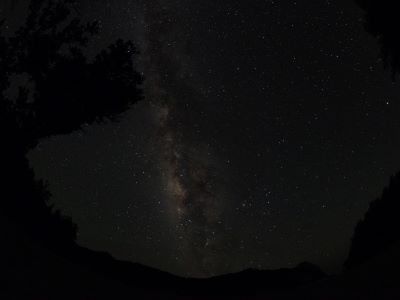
(382, 21)
(380, 227)
(48, 87)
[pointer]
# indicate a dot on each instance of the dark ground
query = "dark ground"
(34, 272)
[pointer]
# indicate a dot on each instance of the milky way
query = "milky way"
(187, 164)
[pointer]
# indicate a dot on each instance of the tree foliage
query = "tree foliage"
(380, 227)
(48, 86)
(382, 21)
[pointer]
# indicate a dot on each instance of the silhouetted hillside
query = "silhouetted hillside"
(35, 272)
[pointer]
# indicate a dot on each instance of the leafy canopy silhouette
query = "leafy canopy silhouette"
(48, 86)
(379, 228)
(382, 21)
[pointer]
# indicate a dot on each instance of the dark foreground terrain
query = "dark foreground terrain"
(31, 271)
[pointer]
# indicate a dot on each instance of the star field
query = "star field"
(267, 128)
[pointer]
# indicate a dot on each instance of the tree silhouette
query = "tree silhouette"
(380, 227)
(382, 21)
(48, 86)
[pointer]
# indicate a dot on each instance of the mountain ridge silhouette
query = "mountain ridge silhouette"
(35, 270)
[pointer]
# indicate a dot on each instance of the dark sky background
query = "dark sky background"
(267, 128)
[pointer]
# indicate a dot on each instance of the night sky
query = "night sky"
(267, 128)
